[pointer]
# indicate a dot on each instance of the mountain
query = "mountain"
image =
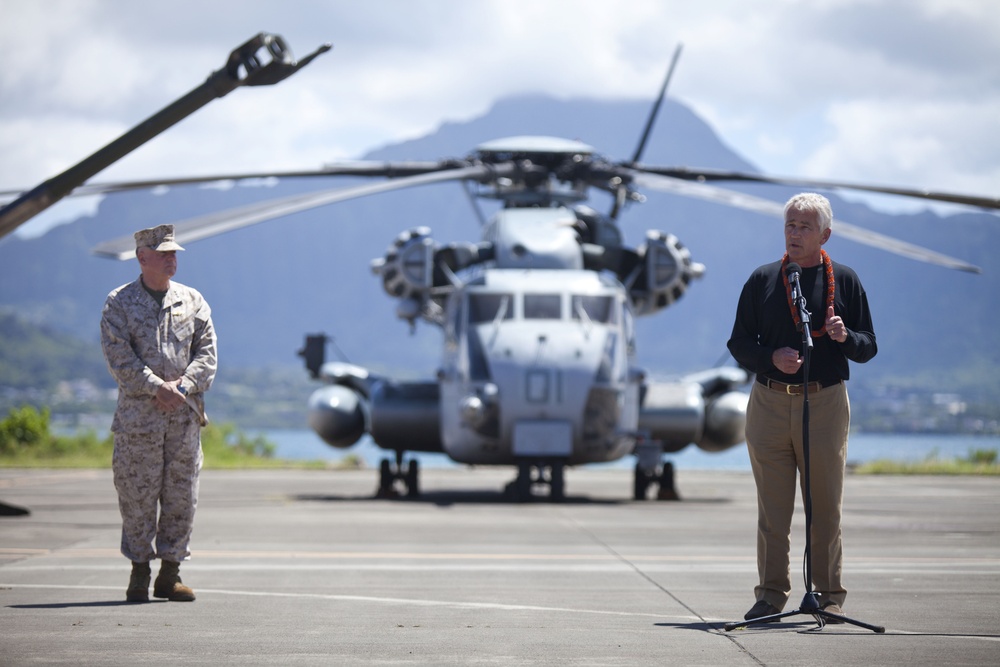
(36, 358)
(272, 283)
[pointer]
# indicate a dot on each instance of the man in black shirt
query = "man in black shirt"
(766, 341)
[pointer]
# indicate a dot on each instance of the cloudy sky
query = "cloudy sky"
(903, 92)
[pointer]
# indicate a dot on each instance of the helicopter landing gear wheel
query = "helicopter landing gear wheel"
(390, 474)
(519, 489)
(557, 483)
(667, 491)
(664, 479)
(386, 480)
(412, 480)
(642, 481)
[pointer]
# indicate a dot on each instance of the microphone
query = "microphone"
(792, 271)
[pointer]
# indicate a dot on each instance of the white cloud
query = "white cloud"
(900, 91)
(916, 146)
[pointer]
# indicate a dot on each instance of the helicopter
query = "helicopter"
(537, 317)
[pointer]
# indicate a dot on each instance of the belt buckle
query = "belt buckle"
(788, 389)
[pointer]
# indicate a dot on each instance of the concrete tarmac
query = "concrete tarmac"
(307, 568)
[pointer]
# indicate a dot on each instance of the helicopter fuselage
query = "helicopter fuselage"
(537, 365)
(537, 369)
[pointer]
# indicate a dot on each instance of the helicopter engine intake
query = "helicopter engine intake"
(407, 270)
(663, 275)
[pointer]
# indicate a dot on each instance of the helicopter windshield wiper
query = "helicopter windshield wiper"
(588, 324)
(501, 314)
(501, 310)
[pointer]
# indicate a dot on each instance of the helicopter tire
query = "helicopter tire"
(520, 488)
(385, 480)
(557, 483)
(412, 479)
(641, 483)
(667, 490)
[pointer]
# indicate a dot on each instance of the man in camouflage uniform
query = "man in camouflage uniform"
(160, 346)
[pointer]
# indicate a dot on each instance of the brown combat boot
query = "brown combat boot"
(138, 583)
(168, 584)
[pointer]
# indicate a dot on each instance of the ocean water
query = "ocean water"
(862, 448)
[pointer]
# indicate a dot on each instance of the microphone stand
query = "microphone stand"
(810, 603)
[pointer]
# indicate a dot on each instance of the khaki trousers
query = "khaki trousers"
(774, 442)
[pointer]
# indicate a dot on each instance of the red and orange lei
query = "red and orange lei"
(830, 289)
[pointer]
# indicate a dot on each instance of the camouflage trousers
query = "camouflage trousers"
(157, 474)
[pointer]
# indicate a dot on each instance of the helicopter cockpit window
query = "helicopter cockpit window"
(598, 309)
(486, 307)
(542, 307)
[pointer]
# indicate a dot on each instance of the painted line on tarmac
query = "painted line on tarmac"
(22, 481)
(377, 600)
(471, 561)
(106, 552)
(488, 606)
(856, 561)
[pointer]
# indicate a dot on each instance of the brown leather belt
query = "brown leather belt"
(793, 389)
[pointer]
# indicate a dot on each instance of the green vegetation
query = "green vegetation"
(978, 462)
(27, 442)
(46, 368)
(37, 358)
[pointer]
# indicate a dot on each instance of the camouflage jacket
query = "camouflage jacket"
(146, 345)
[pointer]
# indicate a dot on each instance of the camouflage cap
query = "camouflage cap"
(159, 238)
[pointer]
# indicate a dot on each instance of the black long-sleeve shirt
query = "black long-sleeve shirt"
(764, 323)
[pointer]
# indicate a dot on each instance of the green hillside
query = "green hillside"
(43, 368)
(37, 357)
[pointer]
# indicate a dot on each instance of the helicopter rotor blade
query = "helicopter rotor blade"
(702, 175)
(213, 224)
(775, 209)
(352, 168)
(262, 61)
(656, 106)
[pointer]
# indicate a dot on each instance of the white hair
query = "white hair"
(815, 203)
